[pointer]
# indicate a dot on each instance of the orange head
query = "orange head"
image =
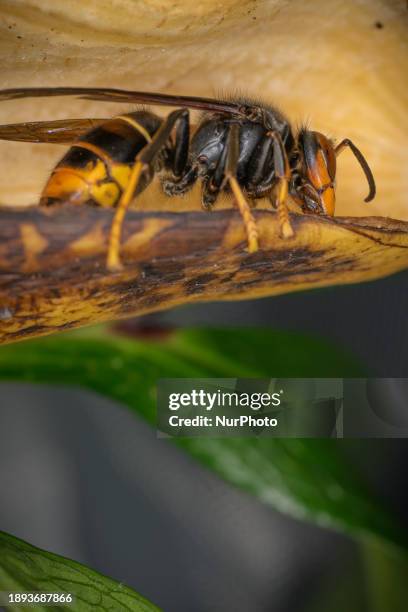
(313, 179)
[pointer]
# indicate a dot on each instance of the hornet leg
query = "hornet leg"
(282, 171)
(232, 148)
(143, 163)
(183, 176)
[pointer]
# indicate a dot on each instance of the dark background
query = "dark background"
(370, 320)
(83, 478)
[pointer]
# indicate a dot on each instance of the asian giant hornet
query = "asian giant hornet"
(241, 146)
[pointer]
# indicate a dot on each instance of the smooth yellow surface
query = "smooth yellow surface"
(326, 62)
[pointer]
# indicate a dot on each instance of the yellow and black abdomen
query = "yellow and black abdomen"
(96, 168)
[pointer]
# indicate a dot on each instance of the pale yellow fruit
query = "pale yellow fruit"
(339, 64)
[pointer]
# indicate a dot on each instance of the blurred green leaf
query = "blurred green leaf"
(386, 578)
(305, 478)
(25, 568)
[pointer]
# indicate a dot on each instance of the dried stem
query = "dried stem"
(53, 274)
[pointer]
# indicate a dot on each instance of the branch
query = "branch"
(53, 275)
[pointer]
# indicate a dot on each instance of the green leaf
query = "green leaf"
(386, 578)
(25, 568)
(305, 478)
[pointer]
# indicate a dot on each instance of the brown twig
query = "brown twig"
(53, 274)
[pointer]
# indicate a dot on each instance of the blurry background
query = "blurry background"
(83, 478)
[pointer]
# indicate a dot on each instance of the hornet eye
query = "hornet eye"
(327, 149)
(319, 159)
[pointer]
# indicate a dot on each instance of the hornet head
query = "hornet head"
(313, 181)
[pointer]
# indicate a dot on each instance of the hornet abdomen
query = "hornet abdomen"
(97, 167)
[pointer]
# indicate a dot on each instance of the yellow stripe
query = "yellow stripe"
(136, 125)
(81, 144)
(72, 171)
